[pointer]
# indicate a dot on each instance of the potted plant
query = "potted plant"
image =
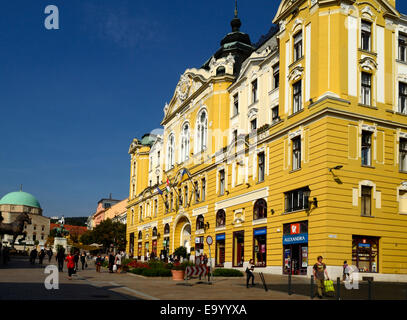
(178, 271)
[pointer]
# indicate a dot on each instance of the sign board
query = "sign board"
(294, 239)
(295, 228)
(209, 240)
(220, 237)
(259, 232)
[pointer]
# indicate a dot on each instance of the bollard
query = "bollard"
(369, 289)
(338, 289)
(312, 287)
(289, 284)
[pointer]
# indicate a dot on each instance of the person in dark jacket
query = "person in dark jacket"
(33, 255)
(99, 261)
(41, 256)
(111, 262)
(50, 254)
(76, 259)
(61, 258)
(83, 260)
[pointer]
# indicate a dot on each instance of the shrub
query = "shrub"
(157, 272)
(227, 273)
(136, 264)
(180, 252)
(138, 271)
(156, 264)
(125, 262)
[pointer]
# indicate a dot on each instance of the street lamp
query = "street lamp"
(336, 168)
(314, 201)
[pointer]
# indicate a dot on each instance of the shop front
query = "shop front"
(238, 249)
(295, 248)
(154, 248)
(220, 250)
(365, 253)
(259, 247)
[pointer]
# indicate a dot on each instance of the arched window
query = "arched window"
(140, 235)
(200, 222)
(170, 154)
(220, 71)
(167, 229)
(202, 131)
(220, 218)
(154, 232)
(260, 209)
(185, 142)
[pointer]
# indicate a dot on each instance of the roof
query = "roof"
(20, 198)
(72, 229)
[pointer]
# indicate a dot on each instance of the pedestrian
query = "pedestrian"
(118, 262)
(70, 264)
(345, 270)
(98, 263)
(319, 275)
(33, 255)
(76, 259)
(50, 254)
(83, 260)
(147, 255)
(61, 258)
(41, 256)
(249, 273)
(111, 262)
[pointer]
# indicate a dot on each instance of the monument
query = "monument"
(60, 233)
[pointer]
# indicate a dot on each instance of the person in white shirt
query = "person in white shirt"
(249, 273)
(118, 262)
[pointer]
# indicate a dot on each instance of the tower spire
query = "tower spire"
(236, 9)
(21, 187)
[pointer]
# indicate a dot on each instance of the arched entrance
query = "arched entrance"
(182, 233)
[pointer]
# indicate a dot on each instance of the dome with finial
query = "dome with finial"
(20, 198)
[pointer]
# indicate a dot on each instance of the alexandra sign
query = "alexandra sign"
(293, 239)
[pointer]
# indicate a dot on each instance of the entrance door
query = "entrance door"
(186, 237)
(220, 253)
(238, 250)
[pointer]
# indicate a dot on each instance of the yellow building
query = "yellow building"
(293, 148)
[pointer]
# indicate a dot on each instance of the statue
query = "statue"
(61, 231)
(15, 228)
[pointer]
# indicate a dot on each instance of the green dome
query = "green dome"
(20, 198)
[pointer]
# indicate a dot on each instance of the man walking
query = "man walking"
(61, 258)
(83, 261)
(319, 275)
(249, 273)
(41, 256)
(76, 259)
(50, 254)
(33, 255)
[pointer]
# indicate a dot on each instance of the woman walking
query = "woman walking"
(70, 264)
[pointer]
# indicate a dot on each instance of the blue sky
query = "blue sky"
(72, 100)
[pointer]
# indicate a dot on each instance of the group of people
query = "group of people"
(114, 261)
(41, 255)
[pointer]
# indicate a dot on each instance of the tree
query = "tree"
(107, 233)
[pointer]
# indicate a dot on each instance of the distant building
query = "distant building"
(118, 211)
(103, 205)
(15, 203)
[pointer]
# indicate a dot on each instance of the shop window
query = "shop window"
(167, 229)
(366, 35)
(366, 201)
(296, 200)
(238, 249)
(298, 46)
(259, 247)
(220, 250)
(154, 248)
(146, 251)
(402, 97)
(220, 218)
(366, 88)
(403, 154)
(260, 209)
(139, 250)
(297, 96)
(295, 246)
(365, 253)
(200, 222)
(296, 142)
(366, 148)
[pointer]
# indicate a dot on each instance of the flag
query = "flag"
(184, 176)
(159, 191)
(168, 185)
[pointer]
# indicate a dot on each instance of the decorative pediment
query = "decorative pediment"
(252, 112)
(368, 64)
(296, 73)
(227, 63)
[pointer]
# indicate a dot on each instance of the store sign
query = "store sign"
(364, 245)
(293, 239)
(295, 228)
(220, 237)
(260, 232)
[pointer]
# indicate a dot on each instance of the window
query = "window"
(158, 180)
(402, 47)
(366, 201)
(276, 76)
(220, 218)
(186, 195)
(366, 148)
(179, 197)
(42, 228)
(253, 124)
(298, 46)
(296, 153)
(220, 71)
(235, 136)
(297, 97)
(167, 207)
(274, 114)
(203, 189)
(134, 168)
(154, 232)
(222, 182)
(260, 162)
(132, 216)
(403, 201)
(202, 128)
(171, 201)
(402, 97)
(366, 35)
(200, 222)
(185, 143)
(167, 229)
(366, 88)
(141, 213)
(134, 190)
(260, 209)
(254, 91)
(296, 200)
(158, 158)
(155, 208)
(171, 148)
(235, 104)
(196, 188)
(140, 235)
(403, 154)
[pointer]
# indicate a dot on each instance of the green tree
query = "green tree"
(107, 233)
